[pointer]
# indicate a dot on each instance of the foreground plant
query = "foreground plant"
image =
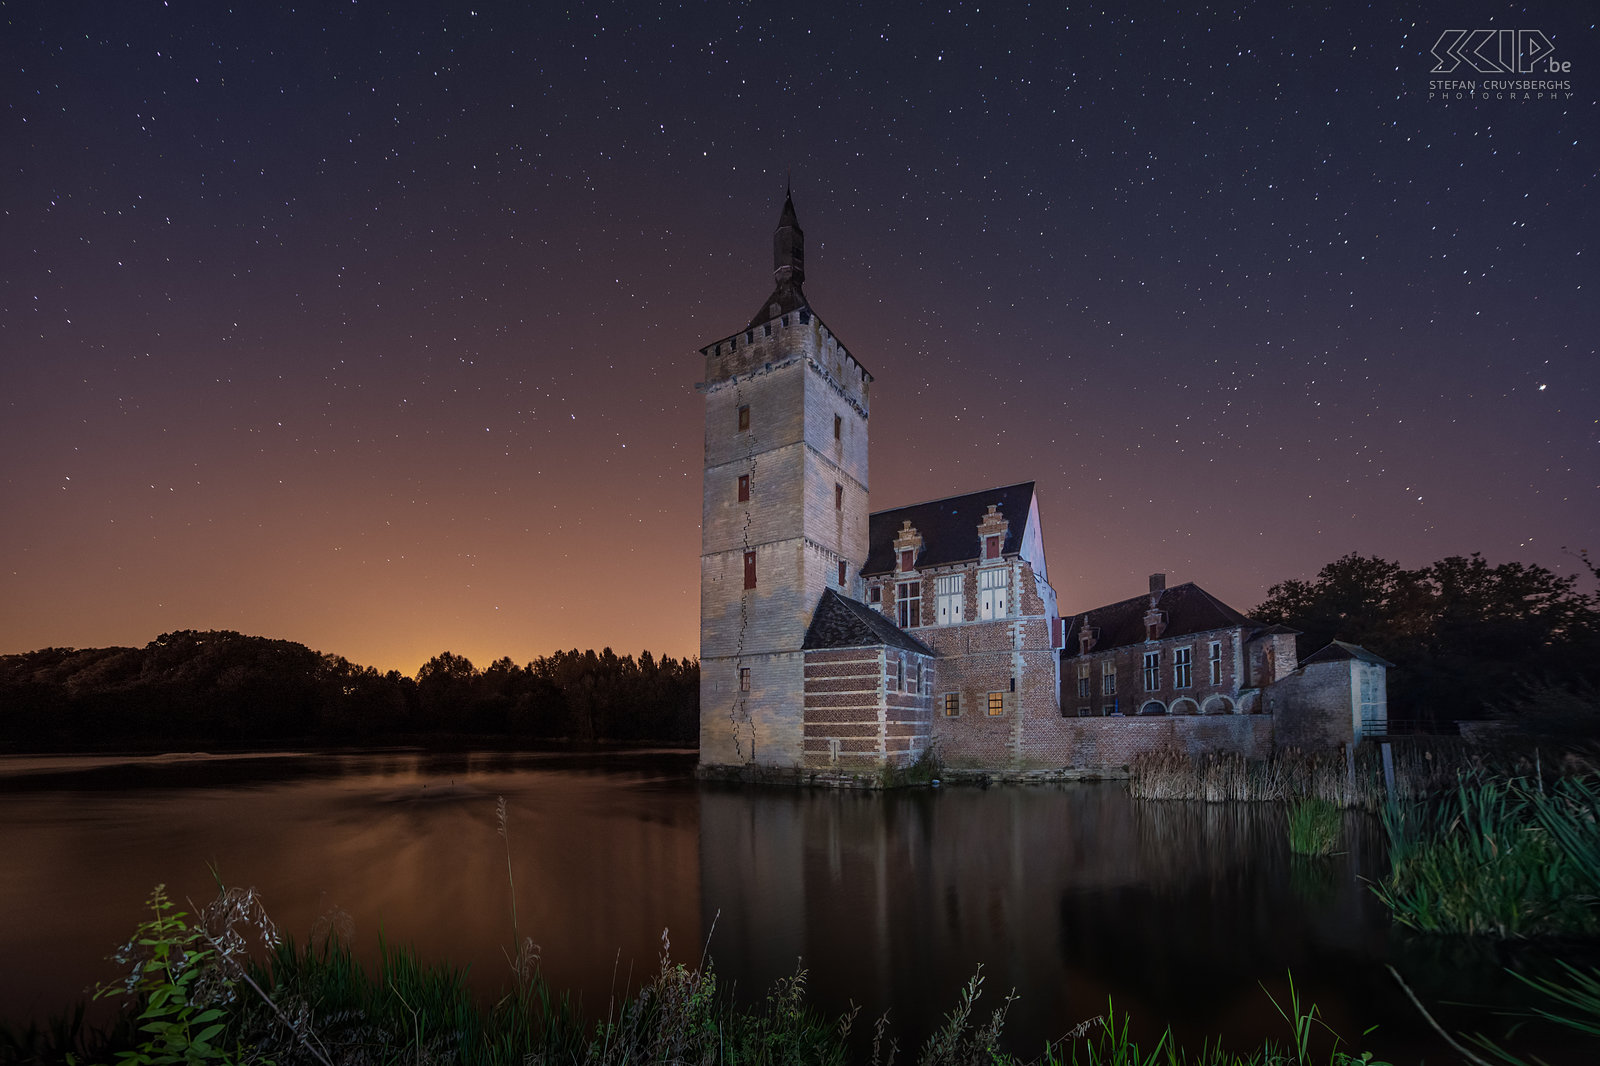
(1496, 857)
(1313, 826)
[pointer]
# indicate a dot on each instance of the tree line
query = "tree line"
(1468, 640)
(225, 688)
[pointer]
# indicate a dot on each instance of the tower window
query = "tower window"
(744, 679)
(749, 570)
(744, 488)
(838, 426)
(744, 416)
(838, 496)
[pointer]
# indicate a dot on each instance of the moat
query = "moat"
(1180, 913)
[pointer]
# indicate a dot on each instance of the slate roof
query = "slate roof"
(949, 527)
(1189, 609)
(840, 622)
(1340, 651)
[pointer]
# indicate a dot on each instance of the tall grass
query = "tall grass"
(1497, 857)
(1289, 775)
(1314, 826)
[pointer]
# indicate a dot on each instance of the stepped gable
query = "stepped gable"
(840, 622)
(1339, 651)
(1188, 608)
(949, 528)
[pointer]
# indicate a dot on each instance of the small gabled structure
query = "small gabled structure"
(868, 688)
(1338, 695)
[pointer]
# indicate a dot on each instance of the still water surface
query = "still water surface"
(1178, 912)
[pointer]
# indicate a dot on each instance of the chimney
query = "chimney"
(1158, 582)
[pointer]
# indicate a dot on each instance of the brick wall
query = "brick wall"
(859, 713)
(1314, 708)
(1113, 742)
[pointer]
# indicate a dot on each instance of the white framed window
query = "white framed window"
(1084, 681)
(1108, 678)
(908, 604)
(1216, 662)
(949, 592)
(1183, 668)
(1152, 671)
(916, 678)
(993, 585)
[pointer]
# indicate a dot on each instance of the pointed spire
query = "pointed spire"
(788, 264)
(788, 245)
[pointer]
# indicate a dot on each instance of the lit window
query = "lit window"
(908, 604)
(744, 488)
(749, 570)
(1108, 678)
(1152, 671)
(744, 416)
(997, 704)
(1216, 662)
(949, 597)
(744, 679)
(952, 704)
(1182, 668)
(992, 592)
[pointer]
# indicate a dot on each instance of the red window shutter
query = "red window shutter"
(744, 487)
(905, 559)
(749, 570)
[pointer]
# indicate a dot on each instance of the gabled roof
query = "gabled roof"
(840, 622)
(949, 527)
(1188, 607)
(1339, 651)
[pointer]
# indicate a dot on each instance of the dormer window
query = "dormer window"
(1086, 639)
(907, 560)
(991, 546)
(1155, 623)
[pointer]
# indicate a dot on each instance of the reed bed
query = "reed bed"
(1290, 775)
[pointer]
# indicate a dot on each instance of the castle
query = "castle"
(836, 639)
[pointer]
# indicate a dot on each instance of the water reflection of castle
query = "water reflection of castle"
(837, 639)
(1069, 894)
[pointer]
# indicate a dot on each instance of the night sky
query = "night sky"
(374, 326)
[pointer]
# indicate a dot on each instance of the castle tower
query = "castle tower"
(784, 512)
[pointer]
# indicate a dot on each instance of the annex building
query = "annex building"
(838, 639)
